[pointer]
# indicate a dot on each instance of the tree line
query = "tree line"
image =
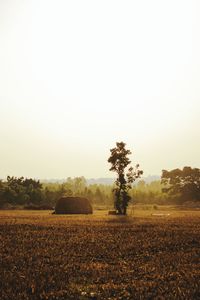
(175, 187)
(28, 192)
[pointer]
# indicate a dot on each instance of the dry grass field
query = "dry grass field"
(143, 256)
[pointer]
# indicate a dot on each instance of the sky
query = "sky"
(78, 76)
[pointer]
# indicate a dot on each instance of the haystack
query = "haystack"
(73, 205)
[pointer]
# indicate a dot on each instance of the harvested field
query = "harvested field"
(44, 256)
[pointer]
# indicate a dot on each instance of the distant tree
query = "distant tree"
(98, 196)
(74, 186)
(119, 162)
(182, 184)
(22, 191)
(79, 185)
(33, 189)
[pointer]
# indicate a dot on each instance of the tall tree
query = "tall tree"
(119, 162)
(184, 185)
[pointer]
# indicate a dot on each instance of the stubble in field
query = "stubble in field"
(45, 256)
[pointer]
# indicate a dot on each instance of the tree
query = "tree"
(184, 185)
(98, 196)
(119, 162)
(22, 191)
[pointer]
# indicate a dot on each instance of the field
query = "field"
(143, 256)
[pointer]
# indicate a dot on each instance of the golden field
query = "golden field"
(146, 255)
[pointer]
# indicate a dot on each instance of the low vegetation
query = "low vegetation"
(46, 256)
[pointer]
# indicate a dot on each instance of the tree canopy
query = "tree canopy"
(183, 184)
(21, 191)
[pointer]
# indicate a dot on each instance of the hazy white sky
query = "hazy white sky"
(77, 76)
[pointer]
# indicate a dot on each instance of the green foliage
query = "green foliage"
(183, 185)
(20, 191)
(97, 194)
(119, 162)
(149, 193)
(26, 192)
